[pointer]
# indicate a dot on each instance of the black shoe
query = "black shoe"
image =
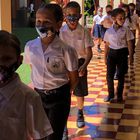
(99, 50)
(65, 134)
(108, 99)
(115, 77)
(80, 119)
(119, 99)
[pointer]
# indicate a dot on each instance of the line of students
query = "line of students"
(119, 41)
(55, 70)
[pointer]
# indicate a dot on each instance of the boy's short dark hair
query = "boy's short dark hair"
(9, 40)
(56, 10)
(73, 4)
(109, 6)
(132, 4)
(117, 11)
(125, 6)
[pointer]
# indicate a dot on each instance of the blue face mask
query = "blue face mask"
(45, 31)
(72, 18)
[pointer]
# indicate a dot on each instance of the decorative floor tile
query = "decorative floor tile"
(108, 121)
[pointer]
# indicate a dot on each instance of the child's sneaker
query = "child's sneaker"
(99, 49)
(80, 119)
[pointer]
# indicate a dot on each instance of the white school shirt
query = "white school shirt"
(135, 21)
(127, 23)
(50, 68)
(79, 39)
(97, 19)
(106, 24)
(22, 116)
(118, 39)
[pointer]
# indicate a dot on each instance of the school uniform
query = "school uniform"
(79, 39)
(133, 27)
(50, 80)
(22, 116)
(106, 24)
(135, 21)
(117, 56)
(127, 23)
(99, 30)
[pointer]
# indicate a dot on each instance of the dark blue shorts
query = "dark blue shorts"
(99, 31)
(81, 89)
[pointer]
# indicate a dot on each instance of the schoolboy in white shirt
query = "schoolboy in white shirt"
(78, 37)
(107, 20)
(118, 43)
(98, 30)
(22, 116)
(135, 23)
(54, 67)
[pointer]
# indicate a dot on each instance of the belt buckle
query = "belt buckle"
(46, 91)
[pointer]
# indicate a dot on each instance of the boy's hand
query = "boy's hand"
(131, 60)
(82, 70)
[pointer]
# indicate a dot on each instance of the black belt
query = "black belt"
(121, 49)
(53, 91)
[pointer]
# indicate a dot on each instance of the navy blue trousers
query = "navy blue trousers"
(116, 58)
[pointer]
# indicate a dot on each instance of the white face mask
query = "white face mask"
(45, 32)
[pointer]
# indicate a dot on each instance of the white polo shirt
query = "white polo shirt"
(118, 39)
(50, 68)
(107, 21)
(97, 19)
(22, 116)
(80, 39)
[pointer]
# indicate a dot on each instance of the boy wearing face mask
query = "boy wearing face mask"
(135, 22)
(54, 67)
(106, 20)
(22, 116)
(79, 38)
(97, 30)
(117, 44)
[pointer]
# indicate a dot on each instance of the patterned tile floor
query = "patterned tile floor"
(108, 121)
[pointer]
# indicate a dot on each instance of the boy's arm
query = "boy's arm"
(130, 49)
(73, 76)
(37, 122)
(138, 28)
(71, 61)
(106, 51)
(92, 29)
(137, 25)
(89, 55)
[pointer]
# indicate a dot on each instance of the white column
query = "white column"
(5, 15)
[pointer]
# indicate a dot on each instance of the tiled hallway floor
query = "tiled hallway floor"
(108, 121)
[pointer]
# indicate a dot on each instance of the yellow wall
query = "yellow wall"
(5, 15)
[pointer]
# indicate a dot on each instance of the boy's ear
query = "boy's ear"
(80, 16)
(59, 24)
(114, 19)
